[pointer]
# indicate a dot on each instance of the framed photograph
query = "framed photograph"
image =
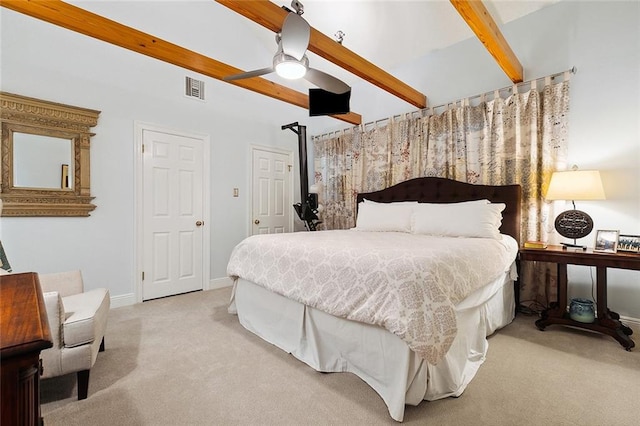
(629, 243)
(606, 241)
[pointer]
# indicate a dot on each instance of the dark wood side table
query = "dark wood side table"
(607, 322)
(24, 332)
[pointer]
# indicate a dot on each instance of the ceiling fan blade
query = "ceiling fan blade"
(248, 74)
(326, 82)
(295, 35)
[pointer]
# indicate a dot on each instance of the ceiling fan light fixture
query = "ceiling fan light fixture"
(289, 67)
(291, 70)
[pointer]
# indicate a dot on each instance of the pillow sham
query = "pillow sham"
(475, 219)
(385, 217)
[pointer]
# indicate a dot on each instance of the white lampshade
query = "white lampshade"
(575, 185)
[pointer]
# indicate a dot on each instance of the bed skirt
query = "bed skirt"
(330, 344)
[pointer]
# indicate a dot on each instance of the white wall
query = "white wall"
(40, 60)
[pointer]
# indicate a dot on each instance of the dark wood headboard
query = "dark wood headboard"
(440, 190)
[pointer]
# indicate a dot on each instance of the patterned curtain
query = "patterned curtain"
(520, 139)
(333, 167)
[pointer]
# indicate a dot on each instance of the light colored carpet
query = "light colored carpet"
(184, 360)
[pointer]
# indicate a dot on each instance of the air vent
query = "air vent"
(194, 88)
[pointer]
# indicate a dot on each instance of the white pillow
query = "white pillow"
(374, 216)
(478, 219)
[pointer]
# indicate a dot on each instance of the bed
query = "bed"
(417, 339)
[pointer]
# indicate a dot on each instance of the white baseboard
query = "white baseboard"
(633, 321)
(123, 300)
(130, 298)
(219, 283)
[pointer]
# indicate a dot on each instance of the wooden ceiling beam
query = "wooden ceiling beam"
(482, 24)
(82, 21)
(272, 16)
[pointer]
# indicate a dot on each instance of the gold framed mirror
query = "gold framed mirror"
(44, 157)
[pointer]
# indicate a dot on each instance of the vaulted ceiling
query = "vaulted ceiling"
(386, 33)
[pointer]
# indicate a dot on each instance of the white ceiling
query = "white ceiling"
(387, 33)
(391, 32)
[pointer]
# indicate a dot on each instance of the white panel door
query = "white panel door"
(173, 214)
(271, 204)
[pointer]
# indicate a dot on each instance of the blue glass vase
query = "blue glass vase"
(582, 310)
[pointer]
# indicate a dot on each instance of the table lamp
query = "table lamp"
(575, 185)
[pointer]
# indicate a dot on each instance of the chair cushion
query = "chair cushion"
(86, 317)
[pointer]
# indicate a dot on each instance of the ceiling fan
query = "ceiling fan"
(290, 60)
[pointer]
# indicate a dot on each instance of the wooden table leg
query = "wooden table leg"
(558, 310)
(608, 322)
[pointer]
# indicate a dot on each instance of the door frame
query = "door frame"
(139, 128)
(289, 154)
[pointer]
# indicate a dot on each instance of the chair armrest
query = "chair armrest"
(86, 317)
(55, 316)
(65, 283)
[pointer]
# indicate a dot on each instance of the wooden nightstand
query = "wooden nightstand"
(607, 322)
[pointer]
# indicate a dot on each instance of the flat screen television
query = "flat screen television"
(322, 102)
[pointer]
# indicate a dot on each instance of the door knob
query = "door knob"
(257, 221)
(199, 223)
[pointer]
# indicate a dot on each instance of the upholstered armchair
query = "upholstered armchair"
(78, 321)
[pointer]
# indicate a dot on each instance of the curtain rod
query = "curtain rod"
(572, 70)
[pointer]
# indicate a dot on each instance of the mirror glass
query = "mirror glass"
(42, 162)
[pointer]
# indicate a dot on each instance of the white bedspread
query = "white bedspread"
(406, 283)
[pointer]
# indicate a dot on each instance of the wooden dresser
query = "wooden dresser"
(24, 332)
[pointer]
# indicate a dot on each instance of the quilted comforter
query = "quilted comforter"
(406, 283)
